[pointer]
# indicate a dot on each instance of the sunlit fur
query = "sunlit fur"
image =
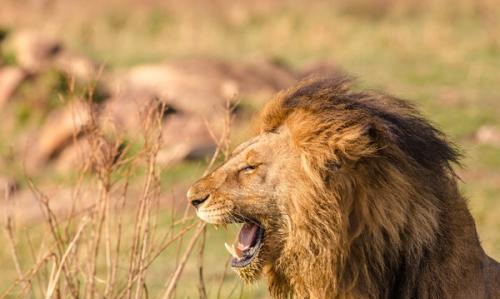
(358, 198)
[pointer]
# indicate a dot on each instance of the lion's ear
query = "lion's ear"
(356, 143)
(376, 134)
(372, 131)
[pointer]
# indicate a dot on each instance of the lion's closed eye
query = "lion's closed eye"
(247, 168)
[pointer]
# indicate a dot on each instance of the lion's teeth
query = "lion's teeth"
(231, 250)
(239, 253)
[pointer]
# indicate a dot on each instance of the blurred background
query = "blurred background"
(110, 109)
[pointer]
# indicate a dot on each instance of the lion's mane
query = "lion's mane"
(380, 214)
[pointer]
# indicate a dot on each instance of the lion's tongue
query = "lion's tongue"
(247, 235)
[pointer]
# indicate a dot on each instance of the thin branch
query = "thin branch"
(201, 285)
(180, 267)
(53, 281)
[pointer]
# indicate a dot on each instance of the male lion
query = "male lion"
(346, 194)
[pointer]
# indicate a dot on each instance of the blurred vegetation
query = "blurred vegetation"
(443, 55)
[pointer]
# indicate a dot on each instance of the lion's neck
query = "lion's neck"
(443, 268)
(383, 260)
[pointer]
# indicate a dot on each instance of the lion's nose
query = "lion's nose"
(196, 199)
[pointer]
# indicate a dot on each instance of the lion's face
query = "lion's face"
(249, 189)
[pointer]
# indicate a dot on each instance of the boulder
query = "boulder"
(185, 136)
(200, 85)
(78, 66)
(184, 89)
(34, 50)
(126, 111)
(61, 127)
(25, 207)
(87, 153)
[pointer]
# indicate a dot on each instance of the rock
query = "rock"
(87, 153)
(188, 91)
(62, 125)
(79, 66)
(126, 111)
(200, 85)
(74, 157)
(33, 50)
(259, 79)
(10, 79)
(24, 206)
(58, 131)
(185, 136)
(488, 134)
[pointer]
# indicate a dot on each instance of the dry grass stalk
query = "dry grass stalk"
(9, 235)
(88, 253)
(202, 291)
(222, 147)
(178, 272)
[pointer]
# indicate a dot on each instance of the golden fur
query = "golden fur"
(358, 199)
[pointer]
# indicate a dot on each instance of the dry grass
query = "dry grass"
(106, 243)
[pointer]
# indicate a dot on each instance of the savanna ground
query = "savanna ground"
(442, 55)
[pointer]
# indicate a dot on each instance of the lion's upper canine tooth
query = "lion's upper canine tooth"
(231, 250)
(235, 252)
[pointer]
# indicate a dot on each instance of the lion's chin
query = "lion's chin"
(251, 272)
(247, 253)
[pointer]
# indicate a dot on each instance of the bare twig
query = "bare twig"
(55, 278)
(223, 277)
(180, 267)
(8, 230)
(201, 285)
(88, 245)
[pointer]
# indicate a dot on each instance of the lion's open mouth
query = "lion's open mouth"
(249, 242)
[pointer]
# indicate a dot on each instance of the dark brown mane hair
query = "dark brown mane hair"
(401, 122)
(379, 214)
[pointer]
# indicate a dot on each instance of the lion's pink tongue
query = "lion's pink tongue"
(247, 235)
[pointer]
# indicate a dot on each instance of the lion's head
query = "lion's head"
(337, 190)
(250, 188)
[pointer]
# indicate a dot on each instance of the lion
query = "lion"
(347, 194)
